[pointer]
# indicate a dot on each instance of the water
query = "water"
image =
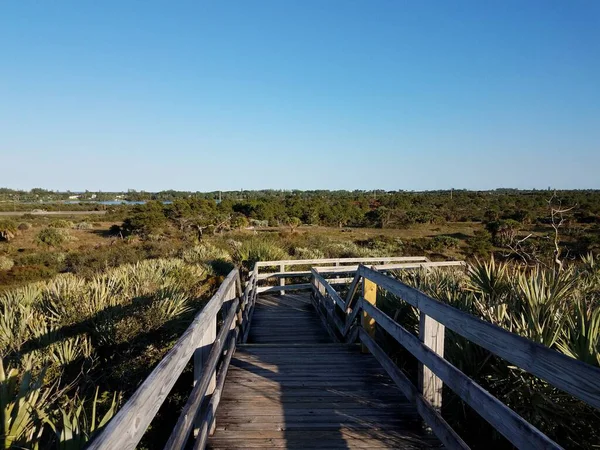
(113, 202)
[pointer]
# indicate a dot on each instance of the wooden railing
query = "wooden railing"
(212, 348)
(394, 262)
(211, 351)
(341, 317)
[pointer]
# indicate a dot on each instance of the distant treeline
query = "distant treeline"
(351, 208)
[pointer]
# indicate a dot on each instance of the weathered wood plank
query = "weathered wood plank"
(312, 262)
(181, 432)
(289, 287)
(126, 429)
(575, 377)
(431, 416)
(431, 333)
(208, 418)
(516, 429)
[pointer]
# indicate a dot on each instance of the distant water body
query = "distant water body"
(112, 202)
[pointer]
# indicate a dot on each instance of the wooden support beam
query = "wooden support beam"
(369, 296)
(189, 413)
(200, 359)
(431, 333)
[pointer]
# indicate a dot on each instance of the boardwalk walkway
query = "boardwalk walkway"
(270, 371)
(291, 387)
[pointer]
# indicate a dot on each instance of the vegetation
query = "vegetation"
(53, 237)
(7, 230)
(87, 309)
(559, 309)
(66, 340)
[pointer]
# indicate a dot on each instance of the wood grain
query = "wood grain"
(575, 377)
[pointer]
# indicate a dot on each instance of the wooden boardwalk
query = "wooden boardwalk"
(291, 387)
(268, 374)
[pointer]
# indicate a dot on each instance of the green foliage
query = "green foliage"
(83, 330)
(503, 232)
(440, 243)
(239, 221)
(22, 408)
(480, 245)
(76, 425)
(308, 253)
(61, 223)
(249, 252)
(146, 220)
(83, 226)
(559, 309)
(24, 226)
(293, 222)
(52, 237)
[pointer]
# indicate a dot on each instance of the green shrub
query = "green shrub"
(47, 258)
(204, 252)
(249, 252)
(308, 253)
(439, 243)
(25, 274)
(83, 226)
(61, 223)
(480, 245)
(52, 237)
(6, 263)
(558, 309)
(24, 226)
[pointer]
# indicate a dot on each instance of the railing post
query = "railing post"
(431, 334)
(282, 280)
(370, 295)
(200, 359)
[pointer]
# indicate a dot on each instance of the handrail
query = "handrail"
(182, 429)
(341, 266)
(311, 262)
(128, 426)
(572, 376)
(568, 374)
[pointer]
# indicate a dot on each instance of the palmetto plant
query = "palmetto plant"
(581, 337)
(559, 309)
(22, 403)
(75, 426)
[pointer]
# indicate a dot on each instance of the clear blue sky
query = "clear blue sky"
(306, 94)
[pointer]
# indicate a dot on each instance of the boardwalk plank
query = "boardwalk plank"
(290, 387)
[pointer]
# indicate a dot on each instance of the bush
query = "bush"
(83, 226)
(7, 230)
(61, 223)
(204, 252)
(254, 250)
(49, 259)
(480, 245)
(52, 237)
(24, 226)
(6, 263)
(308, 253)
(439, 243)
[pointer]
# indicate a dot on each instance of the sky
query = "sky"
(299, 94)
